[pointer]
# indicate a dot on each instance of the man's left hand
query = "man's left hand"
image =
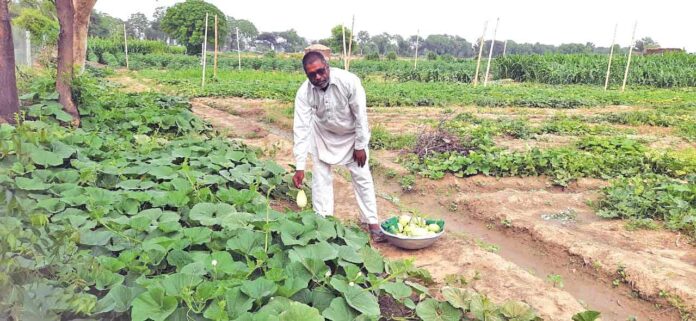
(360, 156)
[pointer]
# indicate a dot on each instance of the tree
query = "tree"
(269, 39)
(38, 24)
(185, 22)
(292, 41)
(247, 33)
(81, 11)
(336, 40)
(155, 31)
(9, 102)
(645, 43)
(137, 25)
(64, 69)
(104, 26)
(363, 40)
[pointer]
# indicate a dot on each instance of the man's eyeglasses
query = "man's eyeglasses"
(320, 71)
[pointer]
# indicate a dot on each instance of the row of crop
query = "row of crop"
(101, 49)
(283, 86)
(669, 70)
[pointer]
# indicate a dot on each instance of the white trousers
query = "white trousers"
(363, 185)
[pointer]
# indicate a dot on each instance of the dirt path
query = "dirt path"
(498, 240)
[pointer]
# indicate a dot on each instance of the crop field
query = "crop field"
(173, 201)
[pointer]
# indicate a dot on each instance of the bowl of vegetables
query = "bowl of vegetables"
(412, 232)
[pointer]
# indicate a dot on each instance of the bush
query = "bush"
(391, 55)
(372, 56)
(432, 55)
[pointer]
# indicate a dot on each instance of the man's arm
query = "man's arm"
(301, 132)
(358, 106)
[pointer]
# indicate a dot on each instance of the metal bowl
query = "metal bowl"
(411, 242)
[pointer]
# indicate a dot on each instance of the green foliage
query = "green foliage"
(391, 56)
(669, 70)
(38, 24)
(431, 55)
(382, 139)
(185, 22)
(372, 56)
(101, 48)
(651, 196)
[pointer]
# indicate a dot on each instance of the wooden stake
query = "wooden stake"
(504, 47)
(205, 49)
(215, 56)
(630, 51)
(611, 55)
(415, 60)
(478, 63)
(350, 42)
(125, 43)
(343, 28)
(239, 53)
(490, 53)
(27, 34)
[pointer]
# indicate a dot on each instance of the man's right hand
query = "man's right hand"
(298, 178)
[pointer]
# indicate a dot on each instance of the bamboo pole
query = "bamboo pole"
(239, 52)
(125, 43)
(27, 35)
(611, 55)
(504, 47)
(630, 51)
(215, 56)
(350, 42)
(490, 53)
(343, 29)
(478, 63)
(205, 49)
(415, 60)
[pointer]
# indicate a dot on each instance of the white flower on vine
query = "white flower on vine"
(214, 262)
(351, 283)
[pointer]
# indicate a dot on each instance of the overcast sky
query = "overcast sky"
(671, 23)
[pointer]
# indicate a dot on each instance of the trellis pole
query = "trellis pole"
(630, 51)
(350, 42)
(343, 30)
(125, 43)
(215, 56)
(239, 52)
(490, 53)
(415, 60)
(27, 34)
(504, 47)
(205, 47)
(611, 55)
(478, 63)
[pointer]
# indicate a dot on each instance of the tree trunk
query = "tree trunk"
(82, 11)
(64, 75)
(9, 102)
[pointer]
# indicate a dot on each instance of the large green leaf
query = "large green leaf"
(31, 184)
(588, 315)
(259, 288)
(237, 302)
(45, 158)
(300, 312)
(398, 290)
(458, 298)
(118, 299)
(175, 284)
(484, 309)
(361, 299)
(432, 310)
(339, 310)
(153, 304)
(374, 262)
(517, 311)
(208, 214)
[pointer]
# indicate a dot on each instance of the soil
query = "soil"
(507, 237)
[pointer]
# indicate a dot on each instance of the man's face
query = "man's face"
(318, 73)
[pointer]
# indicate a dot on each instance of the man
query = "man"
(331, 124)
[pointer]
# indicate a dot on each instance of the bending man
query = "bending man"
(331, 124)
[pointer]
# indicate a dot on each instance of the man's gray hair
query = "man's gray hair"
(312, 56)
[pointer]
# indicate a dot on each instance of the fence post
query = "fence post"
(125, 44)
(490, 53)
(630, 51)
(239, 53)
(611, 55)
(415, 60)
(215, 58)
(478, 63)
(205, 50)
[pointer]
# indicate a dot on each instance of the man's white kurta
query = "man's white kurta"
(331, 124)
